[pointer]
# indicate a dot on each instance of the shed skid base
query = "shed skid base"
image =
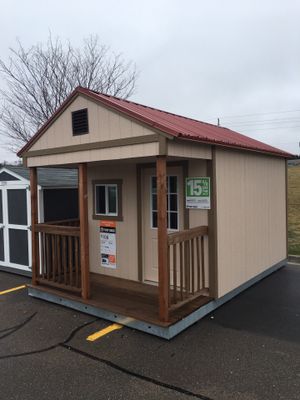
(163, 332)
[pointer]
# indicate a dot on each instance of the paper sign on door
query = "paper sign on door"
(108, 248)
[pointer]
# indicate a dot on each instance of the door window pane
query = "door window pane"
(18, 246)
(173, 184)
(154, 219)
(17, 206)
(173, 221)
(154, 202)
(172, 202)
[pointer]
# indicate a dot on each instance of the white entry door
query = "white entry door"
(175, 207)
(15, 235)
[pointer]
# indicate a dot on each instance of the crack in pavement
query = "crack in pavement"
(135, 374)
(71, 335)
(15, 328)
(108, 363)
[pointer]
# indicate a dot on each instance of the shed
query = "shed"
(58, 200)
(177, 216)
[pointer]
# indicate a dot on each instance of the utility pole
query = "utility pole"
(219, 125)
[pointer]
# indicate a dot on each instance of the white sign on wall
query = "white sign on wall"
(108, 248)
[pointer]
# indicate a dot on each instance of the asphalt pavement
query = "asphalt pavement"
(248, 349)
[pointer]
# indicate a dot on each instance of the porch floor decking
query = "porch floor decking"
(128, 298)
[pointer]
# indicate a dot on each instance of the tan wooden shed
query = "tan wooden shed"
(177, 216)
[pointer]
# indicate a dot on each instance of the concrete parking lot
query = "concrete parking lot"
(247, 349)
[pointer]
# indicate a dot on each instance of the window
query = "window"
(172, 202)
(80, 122)
(107, 200)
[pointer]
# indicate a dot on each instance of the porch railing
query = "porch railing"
(59, 244)
(186, 266)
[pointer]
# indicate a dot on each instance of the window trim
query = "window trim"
(168, 211)
(110, 217)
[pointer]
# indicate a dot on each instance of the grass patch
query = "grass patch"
(294, 209)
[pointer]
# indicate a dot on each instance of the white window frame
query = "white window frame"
(168, 206)
(107, 213)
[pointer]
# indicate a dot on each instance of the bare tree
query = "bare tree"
(37, 80)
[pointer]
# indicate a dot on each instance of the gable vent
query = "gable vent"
(80, 123)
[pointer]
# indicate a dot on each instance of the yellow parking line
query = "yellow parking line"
(103, 332)
(13, 289)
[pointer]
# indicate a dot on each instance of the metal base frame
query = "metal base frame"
(165, 333)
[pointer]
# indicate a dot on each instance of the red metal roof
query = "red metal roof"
(172, 124)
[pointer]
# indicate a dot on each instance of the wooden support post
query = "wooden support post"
(34, 221)
(162, 236)
(84, 231)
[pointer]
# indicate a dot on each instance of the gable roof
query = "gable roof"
(48, 177)
(172, 124)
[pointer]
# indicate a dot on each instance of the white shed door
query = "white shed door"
(15, 240)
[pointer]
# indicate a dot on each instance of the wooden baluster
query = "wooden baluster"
(64, 259)
(53, 245)
(76, 261)
(181, 269)
(175, 272)
(42, 250)
(192, 265)
(198, 262)
(48, 256)
(58, 254)
(202, 262)
(70, 259)
(187, 267)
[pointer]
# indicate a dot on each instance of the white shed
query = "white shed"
(58, 201)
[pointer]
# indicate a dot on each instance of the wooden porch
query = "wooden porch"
(60, 271)
(132, 299)
(61, 264)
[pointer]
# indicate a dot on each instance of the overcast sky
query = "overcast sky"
(236, 60)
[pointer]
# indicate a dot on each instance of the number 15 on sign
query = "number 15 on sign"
(197, 193)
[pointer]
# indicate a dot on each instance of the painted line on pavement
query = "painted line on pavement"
(12, 289)
(103, 332)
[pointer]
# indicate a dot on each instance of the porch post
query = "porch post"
(34, 221)
(84, 231)
(162, 236)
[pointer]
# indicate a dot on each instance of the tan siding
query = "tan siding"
(189, 150)
(114, 153)
(251, 216)
(127, 264)
(104, 124)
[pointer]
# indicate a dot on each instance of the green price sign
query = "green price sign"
(197, 192)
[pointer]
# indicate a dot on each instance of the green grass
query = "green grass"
(294, 209)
